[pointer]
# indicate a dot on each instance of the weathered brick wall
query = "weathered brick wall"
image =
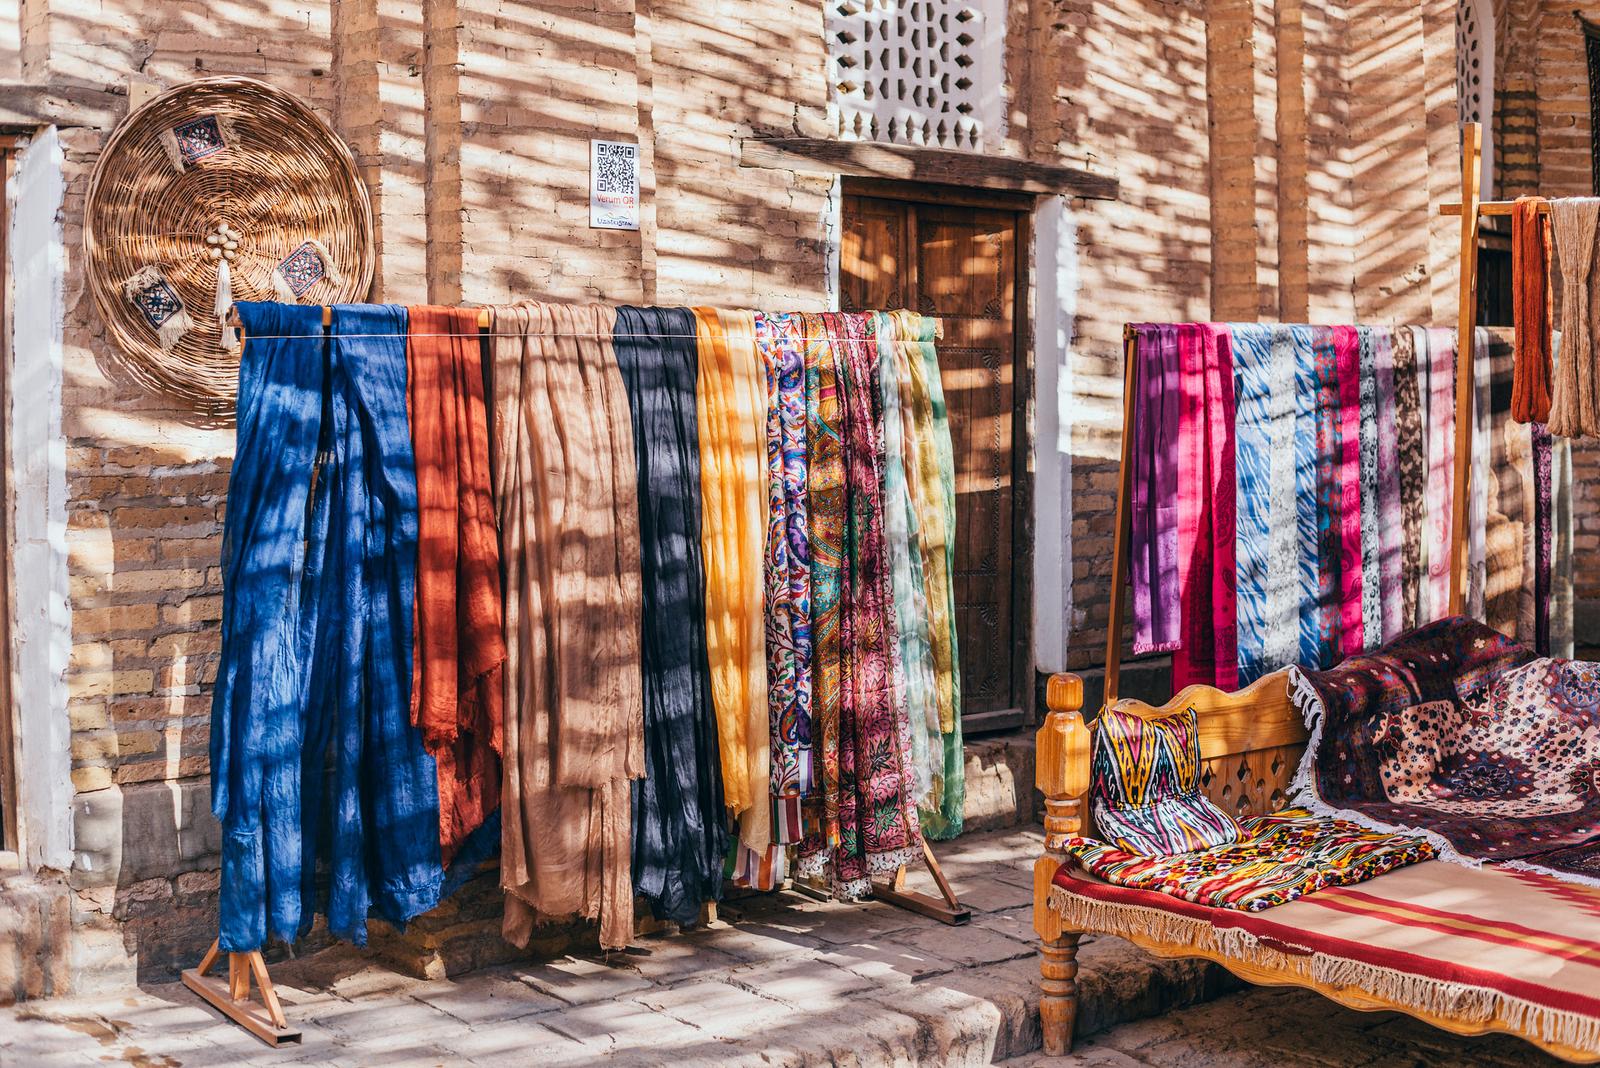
(1563, 161)
(1278, 161)
(470, 121)
(1129, 91)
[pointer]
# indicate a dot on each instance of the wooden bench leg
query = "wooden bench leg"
(1058, 1008)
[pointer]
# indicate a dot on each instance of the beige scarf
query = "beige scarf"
(1575, 396)
(564, 476)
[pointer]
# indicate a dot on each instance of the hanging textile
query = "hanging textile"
(1371, 546)
(1390, 522)
(1207, 527)
(1561, 559)
(1575, 394)
(1478, 487)
(731, 398)
(915, 685)
(1306, 500)
(361, 557)
(879, 828)
(779, 343)
(1154, 568)
(1268, 584)
(1411, 451)
(1347, 354)
(932, 484)
(1441, 423)
(826, 498)
(457, 682)
(680, 834)
(1543, 547)
(566, 488)
(1531, 311)
(256, 704)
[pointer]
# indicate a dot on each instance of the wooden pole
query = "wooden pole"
(1471, 165)
(1124, 532)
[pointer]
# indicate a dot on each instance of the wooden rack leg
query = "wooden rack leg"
(231, 997)
(949, 910)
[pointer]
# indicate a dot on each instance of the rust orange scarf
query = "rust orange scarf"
(1530, 310)
(456, 670)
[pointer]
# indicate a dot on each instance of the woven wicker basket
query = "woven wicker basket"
(230, 152)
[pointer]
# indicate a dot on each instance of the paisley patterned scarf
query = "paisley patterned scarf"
(879, 830)
(779, 342)
(826, 498)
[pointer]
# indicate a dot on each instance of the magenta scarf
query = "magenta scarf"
(1153, 557)
(1207, 509)
(1347, 351)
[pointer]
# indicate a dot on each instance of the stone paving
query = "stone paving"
(1266, 1027)
(784, 980)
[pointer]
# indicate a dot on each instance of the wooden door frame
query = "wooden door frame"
(1023, 403)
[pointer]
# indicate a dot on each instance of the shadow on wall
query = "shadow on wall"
(490, 205)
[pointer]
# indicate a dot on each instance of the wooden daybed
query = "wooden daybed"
(1468, 950)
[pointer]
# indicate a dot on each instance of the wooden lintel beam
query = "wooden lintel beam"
(938, 166)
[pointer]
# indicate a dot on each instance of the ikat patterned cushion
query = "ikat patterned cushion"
(1145, 788)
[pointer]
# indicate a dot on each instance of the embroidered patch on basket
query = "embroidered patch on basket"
(199, 138)
(303, 269)
(158, 303)
(149, 291)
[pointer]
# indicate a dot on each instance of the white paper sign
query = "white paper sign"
(613, 185)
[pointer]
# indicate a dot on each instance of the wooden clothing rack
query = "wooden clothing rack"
(263, 1015)
(1471, 207)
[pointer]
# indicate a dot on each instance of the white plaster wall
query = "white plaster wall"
(42, 637)
(1055, 272)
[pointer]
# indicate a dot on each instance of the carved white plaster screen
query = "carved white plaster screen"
(918, 72)
(1475, 75)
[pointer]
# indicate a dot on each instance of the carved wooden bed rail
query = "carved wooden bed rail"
(1250, 745)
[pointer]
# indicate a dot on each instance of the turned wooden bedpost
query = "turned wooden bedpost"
(1062, 763)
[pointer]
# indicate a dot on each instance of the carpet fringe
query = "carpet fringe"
(1455, 1001)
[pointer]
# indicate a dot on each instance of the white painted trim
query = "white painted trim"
(1055, 289)
(42, 637)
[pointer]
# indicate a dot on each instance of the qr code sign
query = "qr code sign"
(615, 167)
(614, 185)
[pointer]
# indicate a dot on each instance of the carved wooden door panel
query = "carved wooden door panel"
(960, 264)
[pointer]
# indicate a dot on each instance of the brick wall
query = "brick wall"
(1278, 160)
(470, 121)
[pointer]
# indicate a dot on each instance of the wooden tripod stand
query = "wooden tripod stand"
(948, 910)
(263, 1018)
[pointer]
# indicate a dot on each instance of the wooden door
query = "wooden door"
(960, 263)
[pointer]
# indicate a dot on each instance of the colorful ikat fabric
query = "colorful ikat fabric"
(1280, 858)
